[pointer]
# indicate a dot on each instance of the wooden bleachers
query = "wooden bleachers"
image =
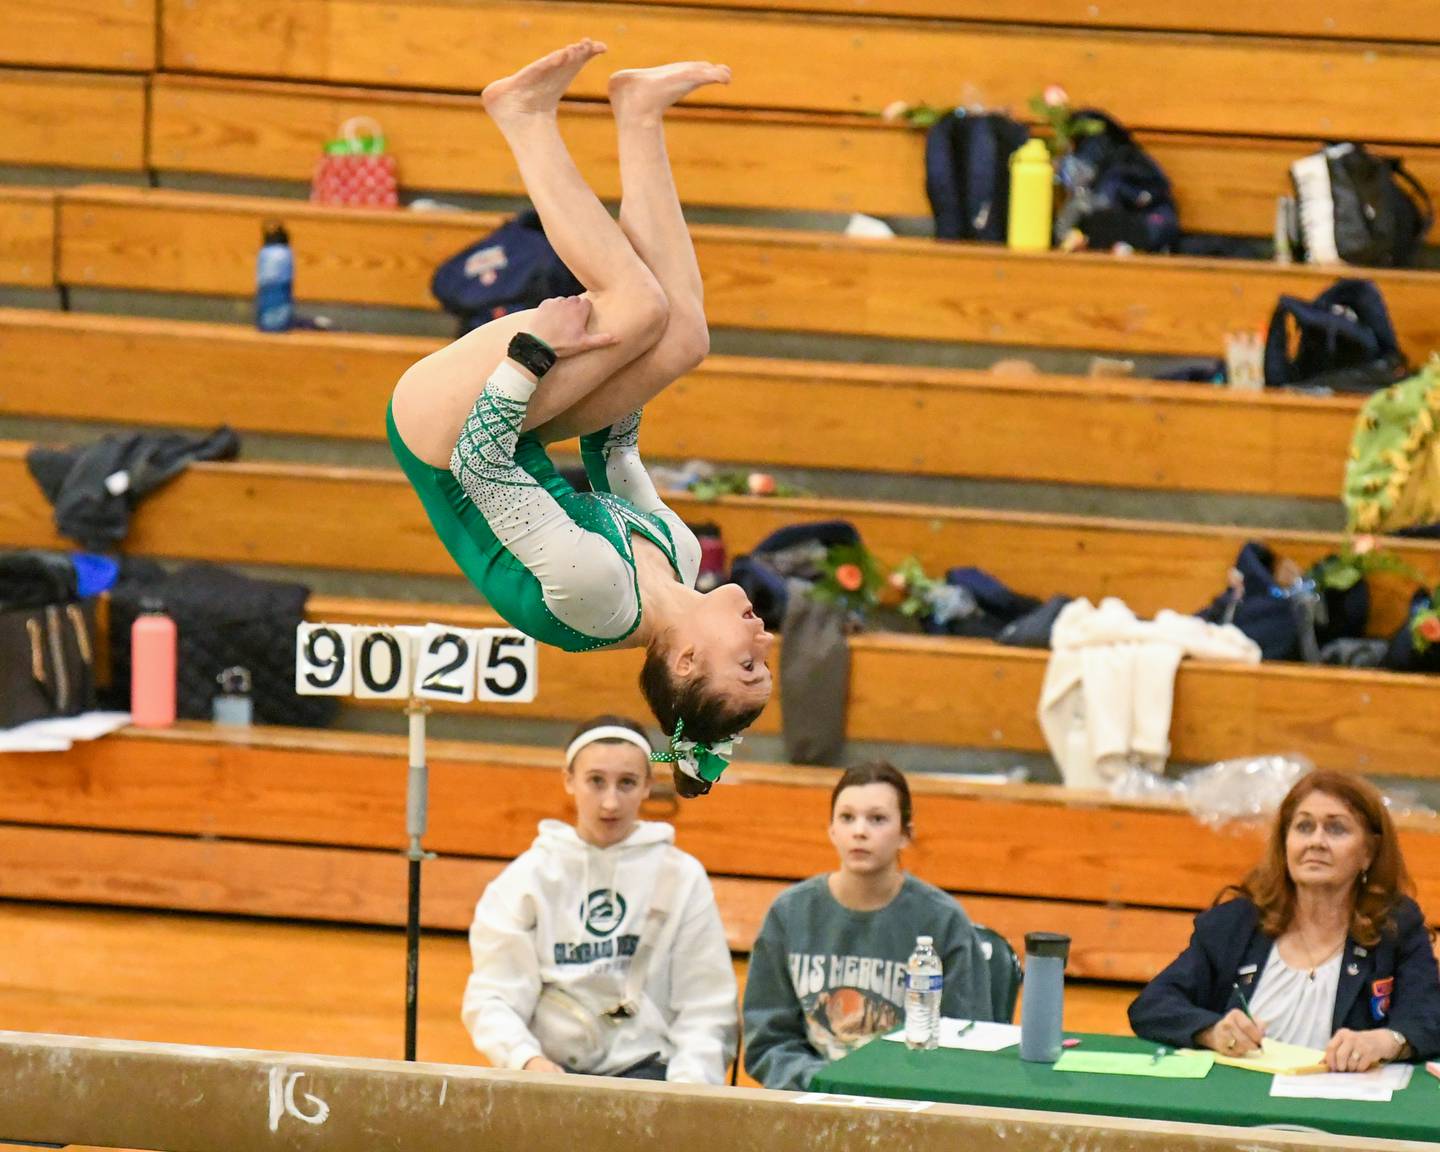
(1212, 84)
(72, 119)
(165, 241)
(120, 821)
(27, 237)
(728, 158)
(1400, 20)
(1145, 434)
(103, 34)
(304, 516)
(916, 689)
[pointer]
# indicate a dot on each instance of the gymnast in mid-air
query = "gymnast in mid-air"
(614, 567)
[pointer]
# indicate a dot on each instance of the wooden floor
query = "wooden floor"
(261, 984)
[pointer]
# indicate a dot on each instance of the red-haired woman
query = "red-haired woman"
(1322, 939)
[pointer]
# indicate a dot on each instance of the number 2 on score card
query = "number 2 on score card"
(508, 673)
(446, 667)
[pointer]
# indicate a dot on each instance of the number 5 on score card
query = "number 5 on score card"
(324, 662)
(446, 667)
(508, 672)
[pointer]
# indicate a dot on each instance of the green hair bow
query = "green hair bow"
(702, 761)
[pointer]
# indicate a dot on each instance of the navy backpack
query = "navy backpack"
(1343, 341)
(967, 174)
(1118, 193)
(510, 270)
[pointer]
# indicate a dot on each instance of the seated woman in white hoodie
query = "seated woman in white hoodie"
(600, 949)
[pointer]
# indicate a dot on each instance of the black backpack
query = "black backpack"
(510, 270)
(1118, 193)
(1359, 207)
(967, 174)
(1344, 341)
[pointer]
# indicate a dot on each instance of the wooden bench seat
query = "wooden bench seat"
(308, 825)
(27, 237)
(167, 241)
(117, 35)
(1139, 433)
(727, 158)
(299, 515)
(1174, 82)
(72, 120)
(904, 688)
(1402, 20)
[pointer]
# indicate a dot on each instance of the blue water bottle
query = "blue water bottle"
(275, 281)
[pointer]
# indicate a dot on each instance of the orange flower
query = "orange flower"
(1430, 629)
(760, 484)
(849, 577)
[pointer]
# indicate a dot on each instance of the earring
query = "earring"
(1364, 877)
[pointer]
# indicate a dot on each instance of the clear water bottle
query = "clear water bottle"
(275, 281)
(924, 983)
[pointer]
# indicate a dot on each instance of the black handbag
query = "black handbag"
(47, 652)
(1363, 208)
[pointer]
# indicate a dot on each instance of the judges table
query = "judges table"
(1225, 1096)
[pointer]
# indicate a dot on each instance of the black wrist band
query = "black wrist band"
(531, 353)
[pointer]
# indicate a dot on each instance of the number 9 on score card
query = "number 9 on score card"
(507, 671)
(324, 663)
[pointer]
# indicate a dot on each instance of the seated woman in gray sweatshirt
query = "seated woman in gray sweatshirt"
(828, 970)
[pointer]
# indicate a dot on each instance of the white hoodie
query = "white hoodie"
(557, 915)
(1109, 689)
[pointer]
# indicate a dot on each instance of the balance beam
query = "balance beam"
(117, 1093)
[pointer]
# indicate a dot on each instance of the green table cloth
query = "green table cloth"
(1225, 1096)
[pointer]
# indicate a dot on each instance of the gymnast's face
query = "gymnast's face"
(609, 780)
(725, 642)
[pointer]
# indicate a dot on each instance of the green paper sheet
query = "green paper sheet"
(1175, 1066)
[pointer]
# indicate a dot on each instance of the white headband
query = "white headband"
(606, 732)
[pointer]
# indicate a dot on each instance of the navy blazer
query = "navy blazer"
(1395, 984)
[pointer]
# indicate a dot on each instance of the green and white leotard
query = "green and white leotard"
(555, 563)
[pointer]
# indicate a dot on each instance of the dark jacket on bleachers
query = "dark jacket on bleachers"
(1228, 947)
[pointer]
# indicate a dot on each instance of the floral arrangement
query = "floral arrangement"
(1052, 107)
(713, 485)
(851, 577)
(1425, 626)
(1360, 557)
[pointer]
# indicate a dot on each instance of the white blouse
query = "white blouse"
(1297, 1005)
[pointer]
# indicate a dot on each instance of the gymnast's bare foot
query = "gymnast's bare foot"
(649, 91)
(536, 89)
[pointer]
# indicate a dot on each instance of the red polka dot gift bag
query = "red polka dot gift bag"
(355, 170)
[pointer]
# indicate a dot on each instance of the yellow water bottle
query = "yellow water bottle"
(1032, 198)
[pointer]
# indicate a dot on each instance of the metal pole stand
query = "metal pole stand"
(417, 791)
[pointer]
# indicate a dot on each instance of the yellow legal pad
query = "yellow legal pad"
(1171, 1066)
(1278, 1059)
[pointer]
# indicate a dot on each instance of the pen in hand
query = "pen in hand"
(1249, 1015)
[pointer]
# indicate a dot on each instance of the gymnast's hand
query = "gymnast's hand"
(539, 1063)
(560, 322)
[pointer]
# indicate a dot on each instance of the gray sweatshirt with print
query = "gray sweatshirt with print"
(824, 979)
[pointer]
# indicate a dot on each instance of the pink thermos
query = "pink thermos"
(152, 667)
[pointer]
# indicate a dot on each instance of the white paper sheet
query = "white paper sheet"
(1375, 1087)
(59, 733)
(974, 1035)
(836, 1098)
